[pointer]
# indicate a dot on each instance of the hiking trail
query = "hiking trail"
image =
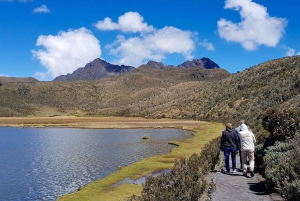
(236, 187)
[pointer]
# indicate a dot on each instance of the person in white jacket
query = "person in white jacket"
(248, 140)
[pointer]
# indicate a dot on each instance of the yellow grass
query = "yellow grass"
(103, 189)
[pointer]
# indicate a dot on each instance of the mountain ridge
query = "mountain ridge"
(5, 80)
(99, 68)
(95, 69)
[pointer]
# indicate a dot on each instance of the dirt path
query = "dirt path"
(235, 187)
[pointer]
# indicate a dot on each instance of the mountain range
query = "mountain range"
(99, 68)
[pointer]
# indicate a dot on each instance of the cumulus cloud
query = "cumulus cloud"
(256, 28)
(129, 22)
(209, 46)
(67, 51)
(153, 46)
(41, 9)
(145, 42)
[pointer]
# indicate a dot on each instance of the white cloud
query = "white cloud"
(107, 25)
(129, 22)
(290, 51)
(256, 28)
(153, 46)
(209, 46)
(148, 43)
(41, 9)
(298, 53)
(66, 52)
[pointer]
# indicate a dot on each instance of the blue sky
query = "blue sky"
(46, 38)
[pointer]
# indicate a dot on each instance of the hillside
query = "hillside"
(4, 80)
(192, 93)
(107, 96)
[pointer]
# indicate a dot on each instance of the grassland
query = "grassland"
(103, 189)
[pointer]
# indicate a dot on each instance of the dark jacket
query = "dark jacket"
(229, 139)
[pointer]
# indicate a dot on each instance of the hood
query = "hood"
(244, 127)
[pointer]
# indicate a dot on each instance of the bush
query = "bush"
(258, 157)
(279, 155)
(185, 181)
(281, 168)
(290, 187)
(280, 124)
(275, 163)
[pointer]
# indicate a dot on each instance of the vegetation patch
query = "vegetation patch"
(278, 157)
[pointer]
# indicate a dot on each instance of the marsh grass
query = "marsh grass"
(103, 190)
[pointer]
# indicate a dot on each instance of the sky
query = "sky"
(46, 38)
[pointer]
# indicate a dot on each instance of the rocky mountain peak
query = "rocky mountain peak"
(196, 63)
(155, 65)
(94, 70)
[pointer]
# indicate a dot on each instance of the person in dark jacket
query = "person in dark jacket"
(229, 145)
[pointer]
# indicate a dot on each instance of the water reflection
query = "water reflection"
(45, 163)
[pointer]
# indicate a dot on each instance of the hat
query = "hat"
(244, 127)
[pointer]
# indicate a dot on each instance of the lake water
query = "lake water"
(45, 163)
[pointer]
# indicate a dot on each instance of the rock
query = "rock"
(146, 137)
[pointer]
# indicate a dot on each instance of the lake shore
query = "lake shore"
(104, 189)
(96, 122)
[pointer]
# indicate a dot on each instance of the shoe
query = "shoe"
(227, 172)
(252, 173)
(234, 170)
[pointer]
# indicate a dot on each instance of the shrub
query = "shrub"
(290, 187)
(280, 124)
(209, 155)
(258, 157)
(279, 156)
(185, 181)
(282, 171)
(275, 163)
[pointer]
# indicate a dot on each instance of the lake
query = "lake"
(45, 163)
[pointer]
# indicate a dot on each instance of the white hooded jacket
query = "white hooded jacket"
(247, 138)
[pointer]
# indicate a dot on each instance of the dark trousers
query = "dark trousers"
(229, 151)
